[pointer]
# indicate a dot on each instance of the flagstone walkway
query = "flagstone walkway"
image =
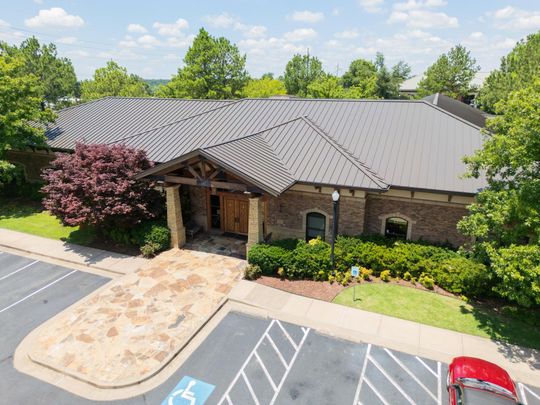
(128, 330)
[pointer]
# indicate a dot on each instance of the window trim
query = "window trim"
(385, 217)
(316, 211)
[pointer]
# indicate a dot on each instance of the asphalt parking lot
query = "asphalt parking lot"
(244, 360)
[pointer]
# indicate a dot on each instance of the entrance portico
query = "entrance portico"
(230, 202)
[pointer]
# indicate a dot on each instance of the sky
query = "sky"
(150, 38)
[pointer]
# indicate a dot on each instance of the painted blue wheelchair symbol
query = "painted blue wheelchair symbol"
(355, 271)
(189, 391)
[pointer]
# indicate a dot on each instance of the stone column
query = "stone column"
(255, 222)
(174, 216)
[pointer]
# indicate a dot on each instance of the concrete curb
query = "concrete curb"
(61, 259)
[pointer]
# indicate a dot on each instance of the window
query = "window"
(396, 228)
(315, 225)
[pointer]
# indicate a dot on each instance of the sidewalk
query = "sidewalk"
(406, 336)
(70, 253)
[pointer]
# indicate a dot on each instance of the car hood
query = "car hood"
(470, 367)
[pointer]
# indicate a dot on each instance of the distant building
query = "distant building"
(410, 86)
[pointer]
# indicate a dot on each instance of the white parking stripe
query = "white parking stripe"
(376, 392)
(410, 373)
(523, 396)
(250, 388)
(524, 388)
(16, 271)
(253, 353)
(362, 374)
(383, 372)
(37, 291)
(287, 335)
(277, 351)
(439, 384)
(272, 383)
(426, 366)
(289, 367)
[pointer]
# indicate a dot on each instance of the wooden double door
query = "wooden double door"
(235, 213)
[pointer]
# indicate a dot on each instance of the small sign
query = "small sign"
(189, 391)
(355, 271)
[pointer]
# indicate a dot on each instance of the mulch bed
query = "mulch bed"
(324, 291)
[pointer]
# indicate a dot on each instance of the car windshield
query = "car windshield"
(485, 385)
(478, 396)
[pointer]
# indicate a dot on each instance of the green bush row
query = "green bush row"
(151, 237)
(300, 260)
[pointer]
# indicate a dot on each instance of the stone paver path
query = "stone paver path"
(126, 332)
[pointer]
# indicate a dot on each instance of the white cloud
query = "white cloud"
(38, 1)
(347, 34)
(137, 28)
(67, 40)
(54, 17)
(423, 19)
(336, 12)
(180, 42)
(148, 41)
(511, 18)
(300, 34)
(307, 16)
(419, 4)
(371, 6)
(172, 29)
(226, 20)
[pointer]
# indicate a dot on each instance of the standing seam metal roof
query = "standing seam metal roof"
(351, 143)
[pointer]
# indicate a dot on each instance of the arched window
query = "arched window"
(315, 225)
(396, 227)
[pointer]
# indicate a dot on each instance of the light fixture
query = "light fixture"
(335, 196)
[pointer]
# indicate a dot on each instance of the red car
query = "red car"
(473, 381)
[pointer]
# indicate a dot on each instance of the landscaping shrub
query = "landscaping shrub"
(447, 268)
(385, 275)
(252, 272)
(269, 257)
(427, 281)
(151, 237)
(517, 273)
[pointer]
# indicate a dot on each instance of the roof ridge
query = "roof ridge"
(253, 134)
(439, 108)
(372, 174)
(176, 122)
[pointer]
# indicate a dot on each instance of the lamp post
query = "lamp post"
(335, 202)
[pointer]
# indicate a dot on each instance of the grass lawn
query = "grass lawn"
(521, 328)
(28, 217)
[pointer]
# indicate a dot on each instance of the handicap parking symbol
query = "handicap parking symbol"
(189, 391)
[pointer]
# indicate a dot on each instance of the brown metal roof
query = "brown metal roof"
(366, 144)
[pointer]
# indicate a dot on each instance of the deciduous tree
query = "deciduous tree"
(264, 87)
(214, 69)
(57, 81)
(451, 74)
(508, 211)
(519, 69)
(20, 106)
(95, 186)
(389, 80)
(113, 80)
(300, 72)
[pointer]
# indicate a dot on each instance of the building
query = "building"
(410, 86)
(266, 168)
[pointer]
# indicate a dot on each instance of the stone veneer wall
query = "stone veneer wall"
(32, 162)
(199, 213)
(431, 221)
(286, 214)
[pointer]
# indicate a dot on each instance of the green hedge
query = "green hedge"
(517, 272)
(301, 260)
(151, 237)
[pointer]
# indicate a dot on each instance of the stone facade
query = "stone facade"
(31, 161)
(255, 222)
(174, 217)
(430, 221)
(286, 214)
